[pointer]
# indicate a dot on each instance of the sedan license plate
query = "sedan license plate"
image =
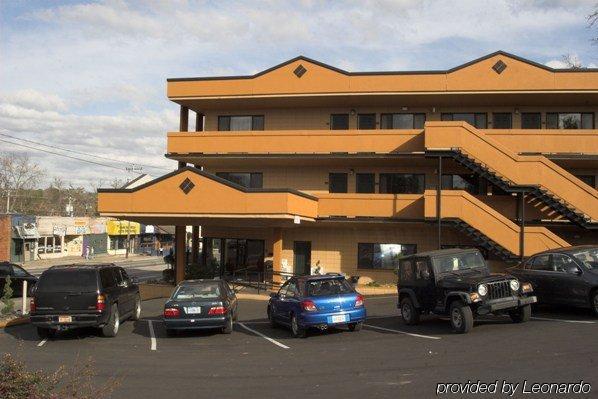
(193, 310)
(340, 318)
(65, 319)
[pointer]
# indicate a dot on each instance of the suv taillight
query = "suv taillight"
(308, 306)
(101, 303)
(172, 312)
(359, 301)
(32, 305)
(217, 310)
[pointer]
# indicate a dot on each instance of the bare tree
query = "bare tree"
(593, 21)
(18, 174)
(572, 61)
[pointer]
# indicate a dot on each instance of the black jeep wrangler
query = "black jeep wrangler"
(458, 283)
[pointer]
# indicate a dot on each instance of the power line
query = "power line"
(64, 155)
(82, 153)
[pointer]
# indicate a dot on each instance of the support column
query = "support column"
(521, 214)
(184, 119)
(195, 245)
(180, 234)
(277, 255)
(439, 201)
(199, 122)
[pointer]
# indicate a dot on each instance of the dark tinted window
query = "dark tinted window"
(406, 271)
(240, 122)
(401, 183)
(531, 120)
(422, 270)
(502, 120)
(365, 182)
(366, 121)
(562, 262)
(402, 121)
(245, 179)
(5, 269)
(382, 256)
(68, 281)
(18, 272)
(339, 121)
(107, 278)
(337, 182)
(477, 119)
(328, 287)
(469, 183)
(590, 180)
(541, 262)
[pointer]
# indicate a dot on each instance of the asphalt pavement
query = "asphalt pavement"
(385, 359)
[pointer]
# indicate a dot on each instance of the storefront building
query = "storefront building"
(305, 166)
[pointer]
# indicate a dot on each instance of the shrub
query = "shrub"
(9, 306)
(17, 382)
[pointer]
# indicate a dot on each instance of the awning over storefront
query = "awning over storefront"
(26, 231)
(189, 195)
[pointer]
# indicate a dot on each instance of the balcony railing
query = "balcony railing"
(367, 141)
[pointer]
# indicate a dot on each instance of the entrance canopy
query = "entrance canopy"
(190, 196)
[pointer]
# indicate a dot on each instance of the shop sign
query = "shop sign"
(122, 227)
(59, 230)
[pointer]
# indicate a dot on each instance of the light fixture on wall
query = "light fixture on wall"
(351, 171)
(516, 111)
(404, 108)
(433, 110)
(352, 112)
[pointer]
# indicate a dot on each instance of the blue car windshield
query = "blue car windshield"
(199, 291)
(326, 287)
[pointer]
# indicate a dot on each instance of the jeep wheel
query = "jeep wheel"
(461, 317)
(409, 312)
(111, 327)
(522, 314)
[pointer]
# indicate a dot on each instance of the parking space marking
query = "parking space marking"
(401, 332)
(152, 335)
(275, 342)
(564, 320)
(42, 342)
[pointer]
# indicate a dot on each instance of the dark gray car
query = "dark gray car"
(201, 304)
(566, 276)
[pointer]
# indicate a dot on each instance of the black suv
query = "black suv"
(458, 283)
(84, 296)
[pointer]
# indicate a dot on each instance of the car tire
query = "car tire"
(137, 309)
(409, 312)
(594, 302)
(113, 324)
(273, 323)
(355, 326)
(461, 317)
(45, 333)
(296, 329)
(228, 328)
(521, 314)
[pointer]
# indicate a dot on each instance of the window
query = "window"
(339, 121)
(5, 270)
(406, 271)
(541, 262)
(236, 122)
(337, 182)
(245, 179)
(477, 119)
(382, 256)
(289, 289)
(531, 120)
(562, 262)
(469, 183)
(402, 121)
(107, 278)
(366, 121)
(401, 183)
(18, 272)
(422, 270)
(590, 180)
(205, 290)
(333, 286)
(365, 182)
(502, 120)
(569, 120)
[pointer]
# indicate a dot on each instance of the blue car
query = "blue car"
(316, 301)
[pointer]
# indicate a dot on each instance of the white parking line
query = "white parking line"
(42, 342)
(152, 335)
(401, 332)
(563, 320)
(275, 342)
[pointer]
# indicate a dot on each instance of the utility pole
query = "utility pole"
(128, 239)
(7, 201)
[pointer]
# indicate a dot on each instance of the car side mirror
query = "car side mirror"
(572, 269)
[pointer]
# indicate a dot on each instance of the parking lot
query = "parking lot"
(385, 359)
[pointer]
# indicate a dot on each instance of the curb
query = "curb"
(14, 322)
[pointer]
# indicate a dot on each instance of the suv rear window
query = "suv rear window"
(68, 281)
(328, 287)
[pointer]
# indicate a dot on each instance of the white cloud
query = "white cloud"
(35, 100)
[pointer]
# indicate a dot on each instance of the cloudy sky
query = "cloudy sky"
(90, 76)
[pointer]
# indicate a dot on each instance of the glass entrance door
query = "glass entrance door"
(302, 257)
